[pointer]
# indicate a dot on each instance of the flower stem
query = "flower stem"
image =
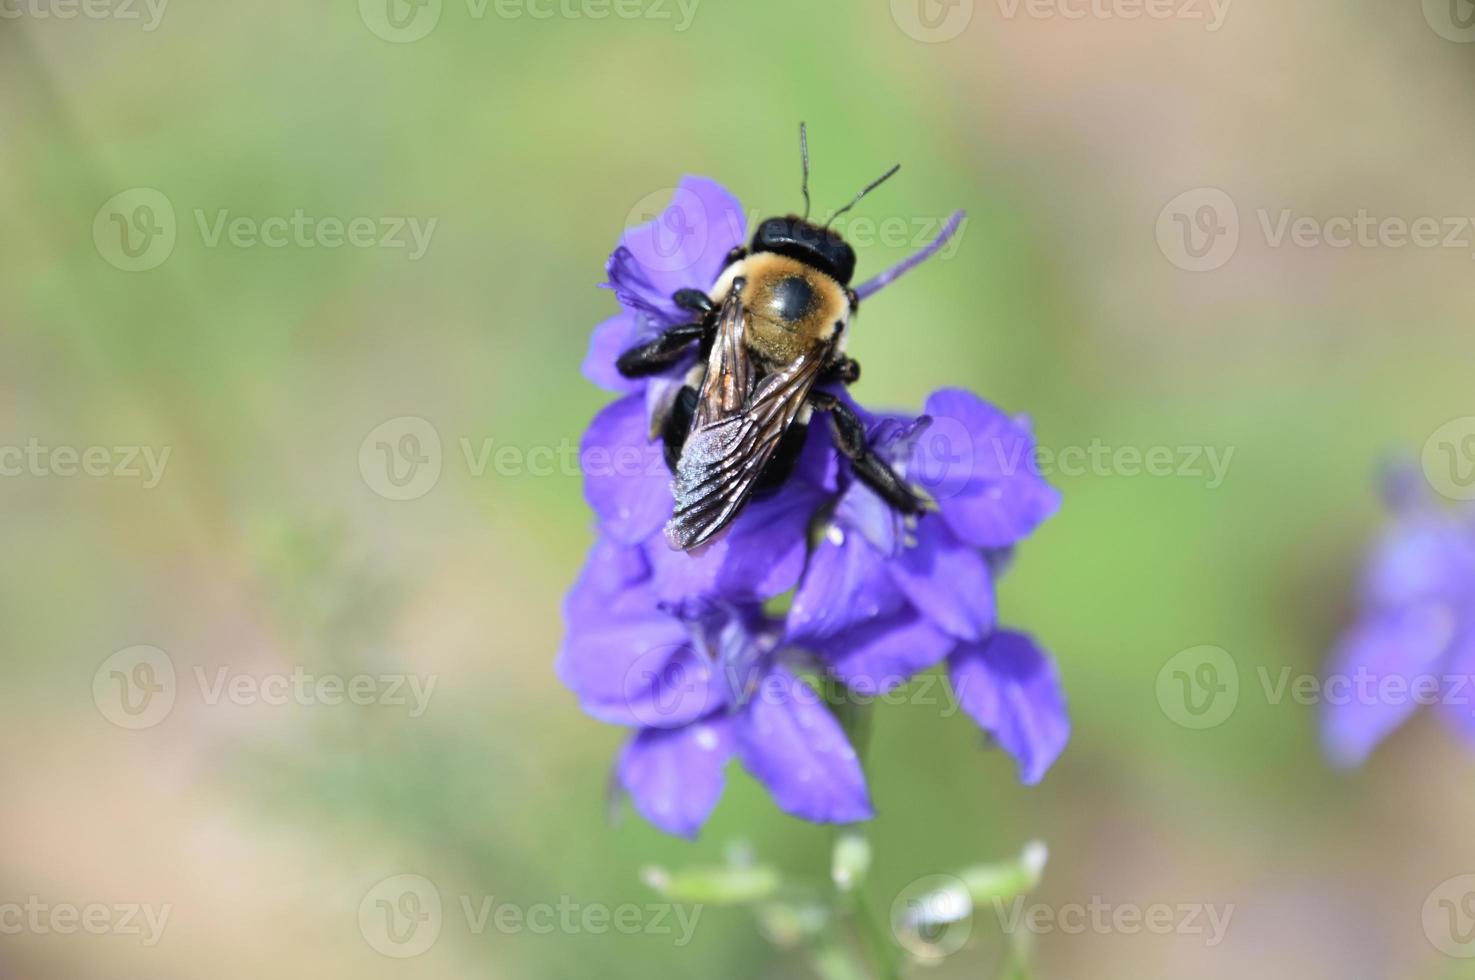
(878, 946)
(855, 719)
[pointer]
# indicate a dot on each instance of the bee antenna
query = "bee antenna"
(804, 157)
(864, 191)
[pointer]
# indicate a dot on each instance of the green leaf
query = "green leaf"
(1006, 880)
(715, 885)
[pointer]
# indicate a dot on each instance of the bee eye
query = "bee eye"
(791, 298)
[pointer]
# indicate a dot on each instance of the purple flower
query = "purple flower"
(685, 246)
(678, 647)
(883, 600)
(1414, 640)
(702, 683)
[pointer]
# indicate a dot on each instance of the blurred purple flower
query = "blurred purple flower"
(1414, 639)
(677, 647)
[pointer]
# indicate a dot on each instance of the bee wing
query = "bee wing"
(729, 379)
(737, 426)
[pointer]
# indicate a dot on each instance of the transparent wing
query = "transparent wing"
(737, 426)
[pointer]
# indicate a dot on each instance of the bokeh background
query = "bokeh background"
(531, 142)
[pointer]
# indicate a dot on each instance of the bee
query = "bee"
(770, 334)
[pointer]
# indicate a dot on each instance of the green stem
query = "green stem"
(878, 945)
(855, 719)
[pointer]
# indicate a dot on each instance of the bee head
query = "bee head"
(804, 241)
(809, 243)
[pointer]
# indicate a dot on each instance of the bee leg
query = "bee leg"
(870, 469)
(661, 353)
(693, 301)
(677, 425)
(844, 370)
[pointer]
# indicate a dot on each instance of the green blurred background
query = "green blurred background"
(532, 142)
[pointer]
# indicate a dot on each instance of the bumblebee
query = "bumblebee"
(769, 333)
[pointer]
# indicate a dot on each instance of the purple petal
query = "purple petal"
(611, 571)
(630, 662)
(675, 776)
(862, 512)
(649, 305)
(845, 587)
(880, 654)
(947, 581)
(1009, 687)
(625, 477)
(791, 743)
(1385, 649)
(978, 464)
(760, 556)
(685, 245)
(1457, 689)
(611, 339)
(873, 285)
(1428, 555)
